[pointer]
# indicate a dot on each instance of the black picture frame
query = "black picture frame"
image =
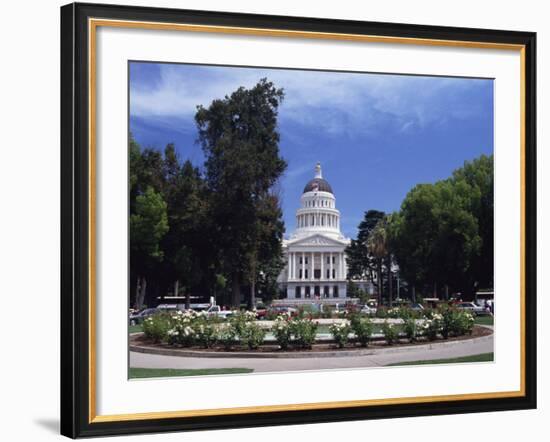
(75, 221)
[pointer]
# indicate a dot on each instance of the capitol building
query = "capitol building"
(315, 252)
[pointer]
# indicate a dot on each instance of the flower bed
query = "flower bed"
(242, 331)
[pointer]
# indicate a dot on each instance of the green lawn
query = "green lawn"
(136, 373)
(134, 328)
(484, 320)
(483, 357)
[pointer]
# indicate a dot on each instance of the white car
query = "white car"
(368, 310)
(340, 309)
(216, 310)
(472, 308)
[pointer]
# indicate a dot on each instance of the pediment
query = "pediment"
(316, 240)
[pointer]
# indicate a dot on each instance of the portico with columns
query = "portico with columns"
(315, 258)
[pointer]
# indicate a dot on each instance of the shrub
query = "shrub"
(457, 323)
(465, 323)
(394, 313)
(252, 335)
(447, 322)
(227, 336)
(406, 313)
(432, 326)
(156, 327)
(205, 331)
(182, 331)
(390, 332)
(340, 332)
(282, 331)
(410, 328)
(304, 332)
(362, 329)
(239, 321)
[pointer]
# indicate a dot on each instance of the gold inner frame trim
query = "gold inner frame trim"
(93, 24)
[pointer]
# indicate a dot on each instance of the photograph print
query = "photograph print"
(290, 220)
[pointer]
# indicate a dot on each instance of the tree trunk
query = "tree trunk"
(253, 293)
(414, 294)
(390, 283)
(446, 292)
(136, 296)
(252, 302)
(176, 287)
(142, 284)
(435, 289)
(380, 283)
(187, 299)
(236, 291)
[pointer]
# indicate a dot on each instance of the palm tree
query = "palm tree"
(377, 244)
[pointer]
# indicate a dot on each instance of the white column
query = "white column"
(341, 266)
(330, 274)
(312, 267)
(292, 268)
(289, 260)
(290, 254)
(303, 265)
(322, 265)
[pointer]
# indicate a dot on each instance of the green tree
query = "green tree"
(186, 244)
(361, 263)
(267, 260)
(478, 174)
(148, 225)
(443, 233)
(379, 248)
(413, 232)
(239, 137)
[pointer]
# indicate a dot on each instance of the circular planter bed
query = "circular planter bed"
(139, 343)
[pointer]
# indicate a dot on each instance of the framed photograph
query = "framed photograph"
(274, 220)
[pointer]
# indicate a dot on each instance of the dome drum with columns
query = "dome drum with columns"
(315, 253)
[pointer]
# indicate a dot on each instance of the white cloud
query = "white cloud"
(334, 102)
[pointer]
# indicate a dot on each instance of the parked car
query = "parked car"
(216, 310)
(276, 310)
(472, 308)
(341, 309)
(416, 307)
(170, 307)
(366, 310)
(261, 313)
(139, 317)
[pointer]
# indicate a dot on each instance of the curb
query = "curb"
(304, 355)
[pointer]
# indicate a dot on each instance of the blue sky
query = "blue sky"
(376, 135)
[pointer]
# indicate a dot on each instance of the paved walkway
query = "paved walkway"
(377, 358)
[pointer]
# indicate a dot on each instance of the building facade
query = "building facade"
(315, 258)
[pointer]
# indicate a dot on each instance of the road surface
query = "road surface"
(378, 358)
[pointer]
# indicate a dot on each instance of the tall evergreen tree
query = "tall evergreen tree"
(186, 243)
(240, 140)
